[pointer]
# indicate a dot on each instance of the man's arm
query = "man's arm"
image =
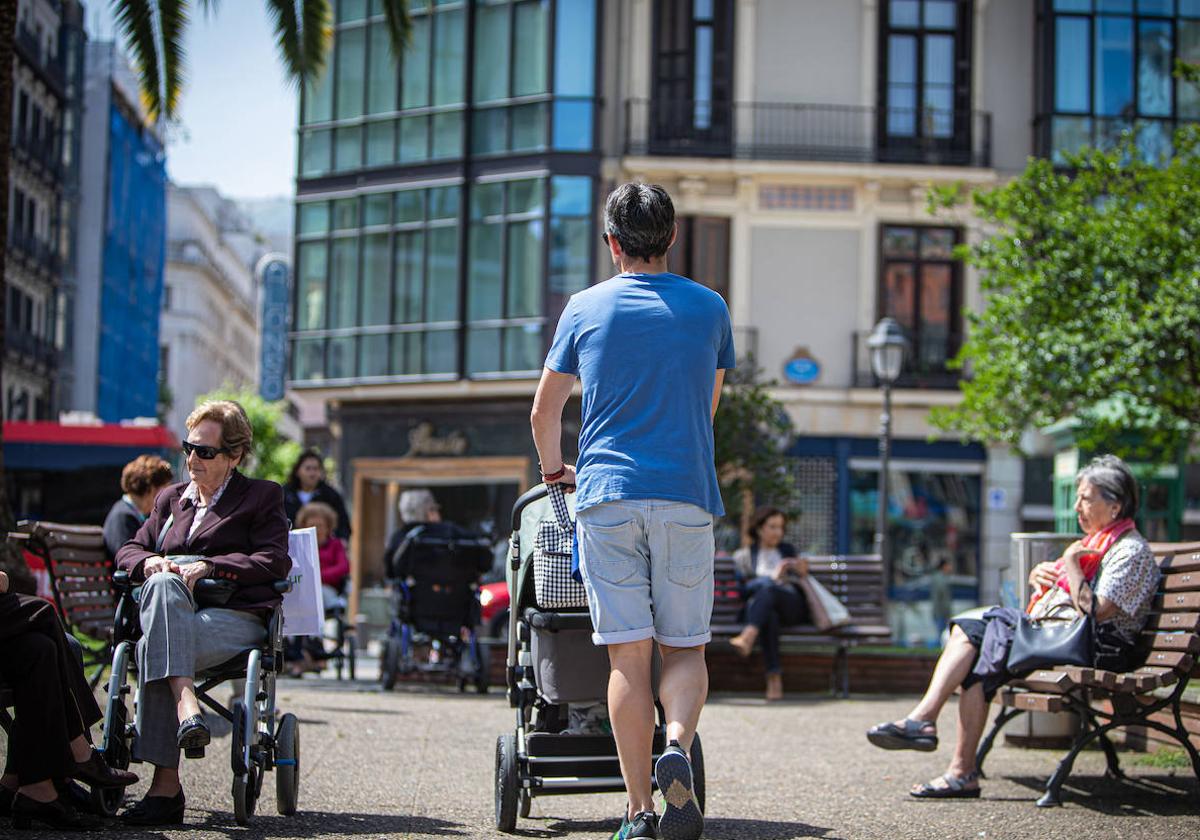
(717, 383)
(546, 419)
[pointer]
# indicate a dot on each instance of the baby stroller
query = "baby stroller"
(434, 576)
(552, 665)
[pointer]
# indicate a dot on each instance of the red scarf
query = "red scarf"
(1099, 543)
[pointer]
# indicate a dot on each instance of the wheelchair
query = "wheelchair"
(261, 740)
(434, 587)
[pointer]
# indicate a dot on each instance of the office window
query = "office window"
(920, 285)
(377, 285)
(511, 78)
(926, 73)
(1109, 70)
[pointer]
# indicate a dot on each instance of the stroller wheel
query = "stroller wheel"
(525, 800)
(390, 663)
(508, 783)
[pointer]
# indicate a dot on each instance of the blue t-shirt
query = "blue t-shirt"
(647, 348)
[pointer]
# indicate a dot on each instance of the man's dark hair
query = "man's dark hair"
(642, 219)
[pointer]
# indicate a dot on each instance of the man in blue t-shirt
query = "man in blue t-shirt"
(650, 349)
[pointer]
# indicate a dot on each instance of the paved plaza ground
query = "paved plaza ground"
(418, 762)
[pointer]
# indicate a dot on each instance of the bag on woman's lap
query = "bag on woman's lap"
(1046, 644)
(553, 584)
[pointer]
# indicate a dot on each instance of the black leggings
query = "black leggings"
(54, 704)
(769, 607)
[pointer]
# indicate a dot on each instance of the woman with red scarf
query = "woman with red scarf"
(1119, 566)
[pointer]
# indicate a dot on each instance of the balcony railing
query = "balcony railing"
(925, 364)
(38, 253)
(808, 132)
(40, 154)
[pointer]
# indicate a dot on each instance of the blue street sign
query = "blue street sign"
(276, 305)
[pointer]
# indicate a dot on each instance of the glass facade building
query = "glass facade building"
(1109, 68)
(445, 200)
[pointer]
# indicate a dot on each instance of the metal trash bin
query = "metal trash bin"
(1035, 729)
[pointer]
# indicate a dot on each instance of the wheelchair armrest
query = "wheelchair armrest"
(121, 580)
(283, 586)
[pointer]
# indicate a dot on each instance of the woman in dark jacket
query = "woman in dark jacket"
(307, 484)
(141, 481)
(772, 599)
(219, 525)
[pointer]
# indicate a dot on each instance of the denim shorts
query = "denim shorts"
(647, 565)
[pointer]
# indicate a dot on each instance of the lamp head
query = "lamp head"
(888, 345)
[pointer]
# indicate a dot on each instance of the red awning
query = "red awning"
(107, 434)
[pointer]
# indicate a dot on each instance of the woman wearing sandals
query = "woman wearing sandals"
(773, 600)
(1113, 557)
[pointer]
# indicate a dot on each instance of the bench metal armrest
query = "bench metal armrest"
(282, 586)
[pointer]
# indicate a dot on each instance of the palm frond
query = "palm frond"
(287, 34)
(135, 21)
(210, 7)
(399, 25)
(173, 20)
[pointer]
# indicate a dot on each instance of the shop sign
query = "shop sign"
(802, 368)
(423, 441)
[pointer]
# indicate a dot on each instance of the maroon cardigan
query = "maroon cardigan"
(244, 536)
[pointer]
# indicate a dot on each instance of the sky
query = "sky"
(238, 113)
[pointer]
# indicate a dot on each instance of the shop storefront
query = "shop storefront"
(934, 521)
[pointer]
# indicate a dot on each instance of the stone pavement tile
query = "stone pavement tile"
(418, 763)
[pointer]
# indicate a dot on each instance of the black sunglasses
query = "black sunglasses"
(204, 453)
(604, 236)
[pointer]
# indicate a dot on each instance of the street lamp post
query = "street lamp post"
(887, 344)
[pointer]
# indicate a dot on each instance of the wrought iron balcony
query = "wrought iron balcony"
(48, 66)
(33, 349)
(808, 132)
(926, 364)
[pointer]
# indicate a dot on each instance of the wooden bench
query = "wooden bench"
(857, 581)
(1171, 645)
(80, 575)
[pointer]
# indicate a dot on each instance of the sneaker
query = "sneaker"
(681, 819)
(644, 824)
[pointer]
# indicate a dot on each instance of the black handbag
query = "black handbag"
(1046, 644)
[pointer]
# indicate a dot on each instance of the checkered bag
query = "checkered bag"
(554, 587)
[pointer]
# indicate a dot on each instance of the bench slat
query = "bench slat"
(92, 584)
(1174, 621)
(1181, 582)
(1181, 601)
(1185, 642)
(78, 555)
(75, 570)
(1032, 701)
(1167, 659)
(1049, 680)
(1181, 563)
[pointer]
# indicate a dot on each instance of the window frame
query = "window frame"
(913, 374)
(1047, 66)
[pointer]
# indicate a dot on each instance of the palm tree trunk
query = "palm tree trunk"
(10, 559)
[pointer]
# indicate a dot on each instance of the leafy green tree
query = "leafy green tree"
(751, 434)
(1090, 275)
(273, 455)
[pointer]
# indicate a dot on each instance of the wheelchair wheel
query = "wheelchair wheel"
(508, 783)
(287, 765)
(350, 655)
(697, 757)
(245, 795)
(524, 801)
(390, 662)
(107, 801)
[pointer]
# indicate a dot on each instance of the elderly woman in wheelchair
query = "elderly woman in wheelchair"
(211, 561)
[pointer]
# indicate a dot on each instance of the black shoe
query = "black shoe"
(193, 733)
(6, 800)
(56, 814)
(681, 819)
(643, 825)
(75, 795)
(96, 773)
(156, 810)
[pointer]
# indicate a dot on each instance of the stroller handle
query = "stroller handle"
(534, 494)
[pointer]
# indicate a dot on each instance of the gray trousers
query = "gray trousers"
(179, 640)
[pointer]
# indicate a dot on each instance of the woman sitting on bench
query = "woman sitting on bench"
(219, 525)
(1124, 577)
(773, 600)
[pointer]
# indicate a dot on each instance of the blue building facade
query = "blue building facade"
(131, 283)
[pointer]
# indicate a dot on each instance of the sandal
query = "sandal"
(955, 787)
(889, 736)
